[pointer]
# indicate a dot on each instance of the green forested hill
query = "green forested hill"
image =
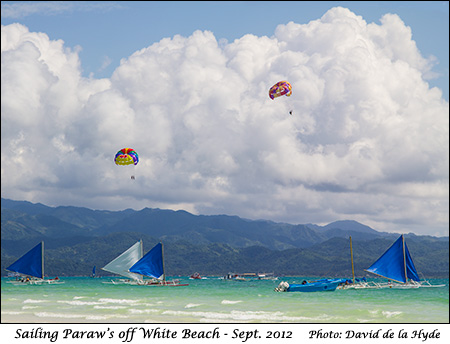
(331, 258)
(76, 239)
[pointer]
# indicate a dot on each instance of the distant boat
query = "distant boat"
(235, 277)
(121, 264)
(152, 265)
(196, 275)
(93, 272)
(397, 265)
(267, 276)
(249, 276)
(324, 284)
(30, 268)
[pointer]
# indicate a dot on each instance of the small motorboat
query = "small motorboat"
(195, 275)
(306, 286)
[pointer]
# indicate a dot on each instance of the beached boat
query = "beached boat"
(324, 284)
(152, 265)
(29, 268)
(122, 263)
(397, 266)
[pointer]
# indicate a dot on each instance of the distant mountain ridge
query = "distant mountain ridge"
(171, 225)
(75, 229)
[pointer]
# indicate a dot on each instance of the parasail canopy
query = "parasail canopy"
(126, 156)
(282, 88)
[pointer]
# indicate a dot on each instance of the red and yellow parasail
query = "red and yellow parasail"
(282, 88)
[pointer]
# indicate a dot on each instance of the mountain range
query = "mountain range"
(77, 238)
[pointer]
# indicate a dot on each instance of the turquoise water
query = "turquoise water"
(212, 300)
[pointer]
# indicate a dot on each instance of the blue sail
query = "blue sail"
(392, 263)
(93, 271)
(31, 263)
(410, 268)
(150, 264)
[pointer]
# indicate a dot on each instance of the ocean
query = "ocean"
(213, 300)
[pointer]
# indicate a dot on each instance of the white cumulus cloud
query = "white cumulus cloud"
(367, 139)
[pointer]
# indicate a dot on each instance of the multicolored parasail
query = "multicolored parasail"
(280, 89)
(126, 156)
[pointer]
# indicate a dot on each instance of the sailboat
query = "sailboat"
(356, 283)
(29, 268)
(397, 265)
(152, 265)
(123, 262)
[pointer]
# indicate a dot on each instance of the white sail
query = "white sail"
(122, 263)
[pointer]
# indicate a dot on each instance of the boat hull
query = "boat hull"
(155, 283)
(35, 281)
(307, 287)
(312, 287)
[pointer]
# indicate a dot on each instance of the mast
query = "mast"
(351, 254)
(42, 255)
(404, 258)
(164, 268)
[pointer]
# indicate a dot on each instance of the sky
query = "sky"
(185, 84)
